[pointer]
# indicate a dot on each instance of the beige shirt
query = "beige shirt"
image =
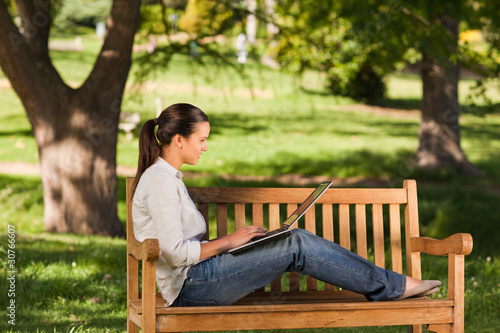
(162, 209)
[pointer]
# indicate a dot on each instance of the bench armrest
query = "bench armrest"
(459, 243)
(148, 250)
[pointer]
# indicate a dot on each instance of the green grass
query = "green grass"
(68, 283)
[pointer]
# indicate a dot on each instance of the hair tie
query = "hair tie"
(155, 121)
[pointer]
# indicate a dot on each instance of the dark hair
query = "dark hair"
(181, 118)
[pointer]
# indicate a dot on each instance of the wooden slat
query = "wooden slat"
(295, 195)
(288, 316)
(310, 220)
(456, 288)
(274, 223)
(327, 211)
(239, 216)
(148, 296)
(274, 216)
(378, 235)
(294, 277)
(328, 233)
(312, 300)
(361, 239)
(221, 219)
(344, 227)
(258, 219)
(411, 229)
(310, 225)
(290, 208)
(203, 208)
(395, 230)
(258, 214)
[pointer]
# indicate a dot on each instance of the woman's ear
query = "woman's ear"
(178, 140)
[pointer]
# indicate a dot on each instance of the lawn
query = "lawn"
(278, 125)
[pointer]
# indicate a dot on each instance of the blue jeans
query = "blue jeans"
(224, 279)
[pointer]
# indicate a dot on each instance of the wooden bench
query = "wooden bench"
(379, 219)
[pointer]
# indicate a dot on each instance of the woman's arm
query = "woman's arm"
(237, 238)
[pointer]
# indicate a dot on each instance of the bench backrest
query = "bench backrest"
(357, 219)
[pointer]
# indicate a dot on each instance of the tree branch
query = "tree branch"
(115, 58)
(35, 23)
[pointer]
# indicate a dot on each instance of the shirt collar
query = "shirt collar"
(171, 170)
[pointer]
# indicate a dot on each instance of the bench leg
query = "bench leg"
(414, 328)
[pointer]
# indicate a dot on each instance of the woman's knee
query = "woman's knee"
(303, 234)
(303, 238)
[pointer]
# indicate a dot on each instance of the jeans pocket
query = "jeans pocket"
(189, 302)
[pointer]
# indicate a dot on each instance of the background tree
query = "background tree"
(356, 44)
(206, 17)
(75, 129)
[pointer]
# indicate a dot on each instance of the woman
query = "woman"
(193, 273)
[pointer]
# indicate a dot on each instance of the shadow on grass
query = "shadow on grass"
(68, 280)
(400, 103)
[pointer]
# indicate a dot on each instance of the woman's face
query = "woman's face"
(195, 144)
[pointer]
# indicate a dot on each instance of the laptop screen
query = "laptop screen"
(311, 199)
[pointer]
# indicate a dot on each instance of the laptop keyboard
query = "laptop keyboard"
(272, 232)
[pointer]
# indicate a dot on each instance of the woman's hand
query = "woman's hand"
(244, 235)
(237, 238)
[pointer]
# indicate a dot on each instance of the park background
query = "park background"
(269, 128)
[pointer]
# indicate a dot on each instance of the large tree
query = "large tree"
(75, 129)
(356, 43)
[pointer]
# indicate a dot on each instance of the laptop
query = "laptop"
(285, 229)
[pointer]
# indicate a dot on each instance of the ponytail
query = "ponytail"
(149, 150)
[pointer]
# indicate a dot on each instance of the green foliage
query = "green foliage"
(322, 38)
(206, 17)
(152, 19)
(366, 84)
(347, 40)
(75, 13)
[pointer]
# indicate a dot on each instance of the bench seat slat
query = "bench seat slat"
(290, 318)
(280, 302)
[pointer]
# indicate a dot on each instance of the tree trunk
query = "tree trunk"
(75, 129)
(78, 164)
(439, 131)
